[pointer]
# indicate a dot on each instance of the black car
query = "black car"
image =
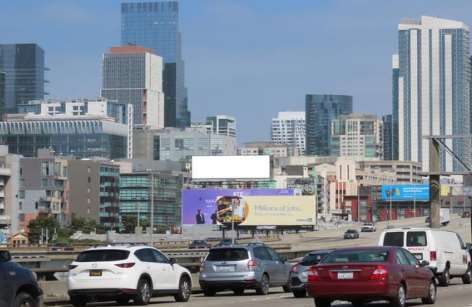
(351, 234)
(18, 285)
(199, 244)
(226, 242)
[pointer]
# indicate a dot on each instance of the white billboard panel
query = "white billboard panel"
(231, 167)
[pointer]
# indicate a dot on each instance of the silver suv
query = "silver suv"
(240, 267)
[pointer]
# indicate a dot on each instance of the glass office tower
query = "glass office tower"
(433, 89)
(23, 65)
(155, 25)
(320, 110)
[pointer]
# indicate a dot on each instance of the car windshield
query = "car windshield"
(312, 259)
(351, 231)
(103, 255)
(357, 256)
(393, 239)
(227, 254)
(416, 238)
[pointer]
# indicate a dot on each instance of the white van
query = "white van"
(444, 250)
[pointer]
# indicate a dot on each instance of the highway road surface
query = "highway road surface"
(456, 295)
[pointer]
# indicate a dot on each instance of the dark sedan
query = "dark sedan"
(18, 285)
(362, 275)
(351, 234)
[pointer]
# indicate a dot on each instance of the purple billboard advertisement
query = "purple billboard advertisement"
(199, 205)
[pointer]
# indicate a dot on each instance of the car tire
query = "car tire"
(299, 293)
(467, 277)
(263, 286)
(208, 292)
(238, 291)
(24, 299)
(432, 294)
(400, 299)
(144, 293)
(322, 302)
(287, 288)
(185, 290)
(444, 278)
(78, 301)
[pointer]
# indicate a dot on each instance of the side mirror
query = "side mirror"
(5, 256)
(283, 259)
(172, 261)
(424, 263)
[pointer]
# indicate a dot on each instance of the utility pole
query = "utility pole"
(434, 183)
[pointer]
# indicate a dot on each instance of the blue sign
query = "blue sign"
(405, 192)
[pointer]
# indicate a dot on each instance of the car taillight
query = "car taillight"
(379, 274)
(251, 265)
(72, 266)
(432, 256)
(313, 275)
(295, 268)
(125, 265)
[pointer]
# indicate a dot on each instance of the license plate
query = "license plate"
(225, 268)
(419, 256)
(349, 275)
(96, 273)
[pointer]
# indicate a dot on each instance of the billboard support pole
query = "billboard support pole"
(232, 223)
(434, 183)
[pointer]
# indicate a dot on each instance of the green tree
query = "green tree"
(129, 223)
(42, 222)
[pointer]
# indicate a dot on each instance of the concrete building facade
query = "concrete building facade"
(288, 128)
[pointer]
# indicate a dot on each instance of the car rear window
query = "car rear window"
(312, 259)
(358, 256)
(393, 239)
(227, 254)
(416, 238)
(103, 255)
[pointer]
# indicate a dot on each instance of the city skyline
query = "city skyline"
(210, 51)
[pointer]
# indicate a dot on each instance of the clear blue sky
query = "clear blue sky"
(247, 58)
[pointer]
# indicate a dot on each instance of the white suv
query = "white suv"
(123, 273)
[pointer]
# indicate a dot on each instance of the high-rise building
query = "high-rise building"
(357, 136)
(320, 110)
(288, 128)
(81, 128)
(433, 89)
(388, 135)
(155, 24)
(264, 149)
(2, 92)
(394, 125)
(222, 125)
(133, 75)
(23, 65)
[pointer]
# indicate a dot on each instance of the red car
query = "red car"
(365, 274)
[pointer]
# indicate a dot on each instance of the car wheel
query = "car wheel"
(321, 302)
(299, 293)
(287, 288)
(263, 287)
(209, 292)
(24, 299)
(238, 291)
(467, 277)
(78, 301)
(444, 278)
(185, 289)
(400, 299)
(432, 293)
(143, 294)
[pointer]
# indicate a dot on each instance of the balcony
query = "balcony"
(5, 220)
(5, 172)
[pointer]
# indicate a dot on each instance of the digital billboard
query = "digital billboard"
(278, 211)
(405, 192)
(199, 206)
(230, 167)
